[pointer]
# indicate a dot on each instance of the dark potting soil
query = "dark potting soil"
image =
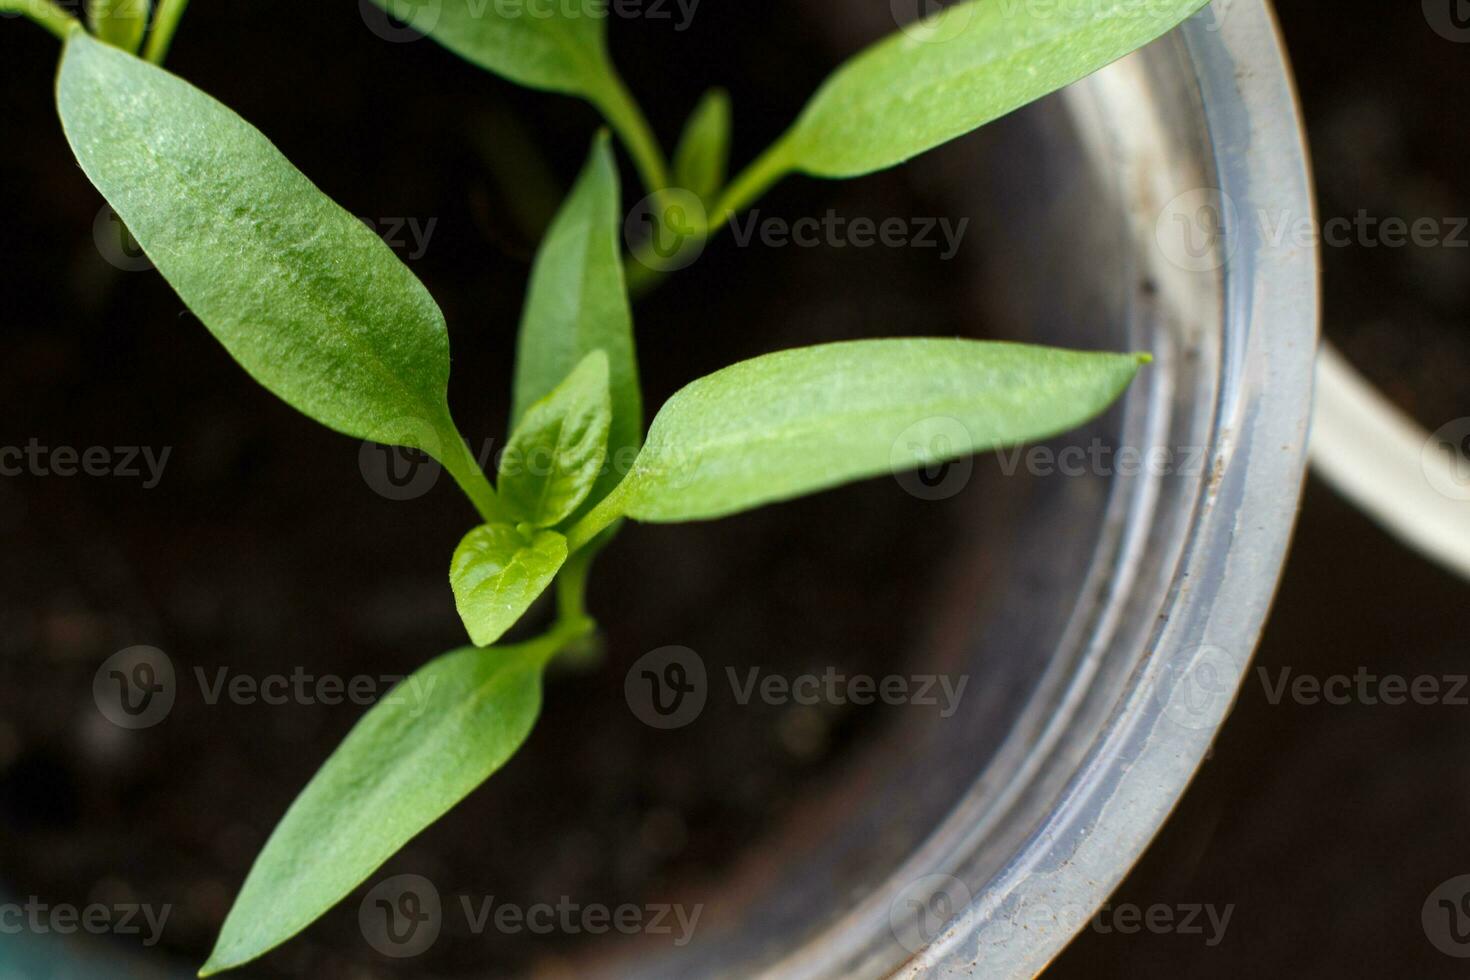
(263, 551)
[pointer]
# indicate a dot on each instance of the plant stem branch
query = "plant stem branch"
(598, 519)
(45, 13)
(644, 269)
(747, 186)
(165, 23)
(622, 113)
(465, 469)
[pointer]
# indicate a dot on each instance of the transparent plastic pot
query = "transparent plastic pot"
(1107, 629)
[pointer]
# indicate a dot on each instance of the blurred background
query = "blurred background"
(1325, 827)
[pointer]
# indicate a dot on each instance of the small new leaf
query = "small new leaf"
(418, 752)
(799, 421)
(578, 303)
(702, 159)
(555, 47)
(120, 23)
(497, 572)
(303, 295)
(557, 451)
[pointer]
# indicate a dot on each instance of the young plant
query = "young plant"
(319, 311)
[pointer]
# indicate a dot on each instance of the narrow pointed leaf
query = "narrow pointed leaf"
(702, 160)
(557, 451)
(120, 23)
(556, 47)
(959, 69)
(497, 572)
(299, 291)
(578, 303)
(413, 756)
(798, 421)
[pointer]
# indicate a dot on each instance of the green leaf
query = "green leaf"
(949, 74)
(578, 303)
(497, 572)
(557, 450)
(703, 155)
(299, 291)
(412, 757)
(556, 47)
(120, 23)
(798, 421)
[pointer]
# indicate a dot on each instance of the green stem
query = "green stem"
(465, 469)
(165, 23)
(752, 182)
(598, 519)
(622, 112)
(561, 635)
(44, 13)
(644, 271)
